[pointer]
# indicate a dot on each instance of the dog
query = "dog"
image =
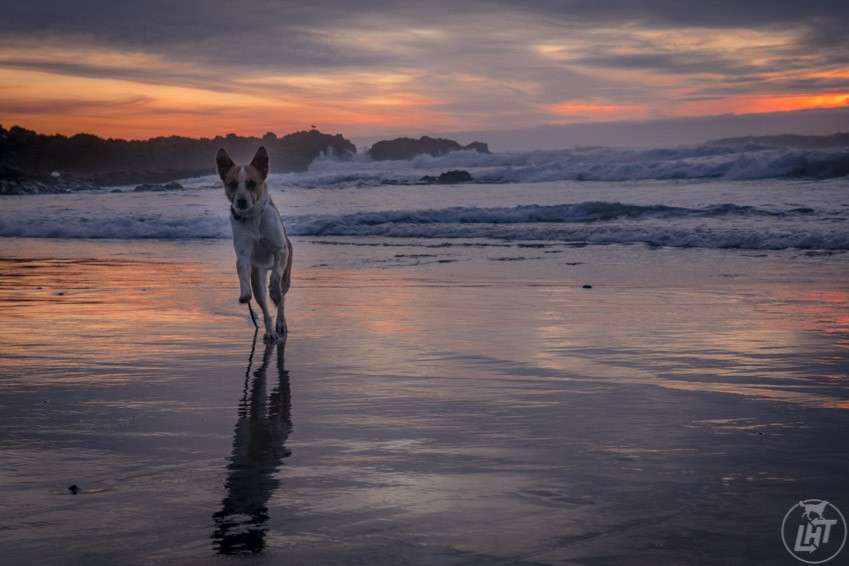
(259, 237)
(816, 509)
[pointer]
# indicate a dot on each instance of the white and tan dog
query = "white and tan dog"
(259, 237)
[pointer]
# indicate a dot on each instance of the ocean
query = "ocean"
(590, 356)
(705, 196)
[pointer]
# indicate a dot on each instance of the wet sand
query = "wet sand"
(441, 405)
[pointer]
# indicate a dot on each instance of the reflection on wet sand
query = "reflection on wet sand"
(264, 424)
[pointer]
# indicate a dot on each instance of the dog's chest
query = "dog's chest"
(259, 238)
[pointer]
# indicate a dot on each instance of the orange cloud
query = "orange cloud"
(763, 103)
(54, 102)
(71, 87)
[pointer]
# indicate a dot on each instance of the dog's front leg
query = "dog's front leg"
(260, 290)
(243, 268)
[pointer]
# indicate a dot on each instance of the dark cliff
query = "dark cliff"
(401, 149)
(115, 161)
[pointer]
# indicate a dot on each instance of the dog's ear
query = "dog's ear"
(260, 162)
(224, 162)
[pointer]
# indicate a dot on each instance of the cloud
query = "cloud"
(325, 33)
(729, 14)
(210, 32)
(655, 133)
(461, 65)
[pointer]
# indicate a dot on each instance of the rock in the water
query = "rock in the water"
(152, 188)
(449, 178)
(401, 149)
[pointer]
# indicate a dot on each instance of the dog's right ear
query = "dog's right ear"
(224, 162)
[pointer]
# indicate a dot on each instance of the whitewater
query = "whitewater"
(712, 196)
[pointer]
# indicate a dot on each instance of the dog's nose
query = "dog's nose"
(242, 202)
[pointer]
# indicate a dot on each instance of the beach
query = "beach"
(567, 283)
(435, 402)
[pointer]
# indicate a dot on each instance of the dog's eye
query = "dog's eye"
(233, 185)
(251, 184)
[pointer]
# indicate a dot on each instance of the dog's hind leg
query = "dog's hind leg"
(275, 289)
(280, 283)
(282, 328)
(260, 292)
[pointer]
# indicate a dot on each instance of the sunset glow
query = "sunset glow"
(765, 103)
(402, 71)
(577, 111)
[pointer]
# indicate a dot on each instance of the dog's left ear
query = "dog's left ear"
(260, 162)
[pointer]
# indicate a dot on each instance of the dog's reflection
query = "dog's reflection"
(264, 424)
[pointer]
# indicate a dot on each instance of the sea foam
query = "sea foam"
(594, 222)
(705, 161)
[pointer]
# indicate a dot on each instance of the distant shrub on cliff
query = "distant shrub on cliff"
(118, 161)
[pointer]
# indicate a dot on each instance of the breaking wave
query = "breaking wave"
(706, 161)
(593, 223)
(713, 226)
(562, 213)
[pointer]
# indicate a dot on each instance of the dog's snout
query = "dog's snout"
(241, 202)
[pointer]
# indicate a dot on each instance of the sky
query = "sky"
(374, 69)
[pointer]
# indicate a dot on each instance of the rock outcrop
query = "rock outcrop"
(449, 178)
(151, 188)
(15, 182)
(157, 160)
(401, 149)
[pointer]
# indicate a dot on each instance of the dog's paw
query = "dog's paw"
(269, 337)
(245, 298)
(281, 327)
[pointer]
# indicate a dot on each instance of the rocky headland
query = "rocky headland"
(401, 149)
(32, 163)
